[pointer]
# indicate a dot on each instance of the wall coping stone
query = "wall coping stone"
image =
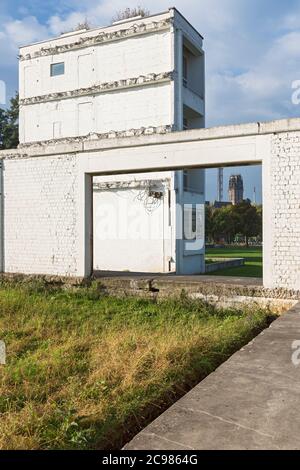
(149, 136)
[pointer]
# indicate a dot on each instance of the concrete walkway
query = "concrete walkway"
(173, 278)
(252, 401)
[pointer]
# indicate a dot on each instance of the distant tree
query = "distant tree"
(3, 122)
(9, 124)
(130, 13)
(83, 25)
(224, 224)
(248, 220)
(209, 230)
(259, 209)
(228, 222)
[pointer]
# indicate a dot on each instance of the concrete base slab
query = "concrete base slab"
(220, 291)
(172, 277)
(250, 402)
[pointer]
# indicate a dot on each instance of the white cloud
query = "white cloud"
(291, 20)
(208, 13)
(97, 15)
(15, 33)
(263, 91)
(58, 25)
(25, 31)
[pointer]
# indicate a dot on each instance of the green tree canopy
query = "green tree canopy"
(248, 220)
(227, 222)
(9, 124)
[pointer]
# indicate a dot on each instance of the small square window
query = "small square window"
(57, 69)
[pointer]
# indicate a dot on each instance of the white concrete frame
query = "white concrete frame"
(276, 145)
(171, 152)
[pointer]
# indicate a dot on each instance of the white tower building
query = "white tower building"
(141, 75)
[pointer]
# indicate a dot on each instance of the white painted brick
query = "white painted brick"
(285, 169)
(41, 214)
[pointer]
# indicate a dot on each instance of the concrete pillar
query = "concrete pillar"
(267, 200)
(178, 107)
(85, 224)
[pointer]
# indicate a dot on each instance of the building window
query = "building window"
(185, 124)
(185, 69)
(185, 180)
(57, 69)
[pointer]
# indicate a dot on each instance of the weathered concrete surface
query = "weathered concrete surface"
(220, 291)
(223, 263)
(250, 402)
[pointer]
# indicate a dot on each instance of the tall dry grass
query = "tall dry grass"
(86, 371)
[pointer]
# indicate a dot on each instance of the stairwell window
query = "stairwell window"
(185, 68)
(57, 69)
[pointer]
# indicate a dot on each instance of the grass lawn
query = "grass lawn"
(253, 261)
(86, 371)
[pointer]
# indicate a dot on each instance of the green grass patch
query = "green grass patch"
(86, 371)
(253, 261)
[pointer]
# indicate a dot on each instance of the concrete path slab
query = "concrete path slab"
(172, 278)
(252, 401)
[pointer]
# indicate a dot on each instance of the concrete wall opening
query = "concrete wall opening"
(147, 222)
(59, 176)
(233, 225)
(161, 222)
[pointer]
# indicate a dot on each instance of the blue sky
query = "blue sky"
(252, 53)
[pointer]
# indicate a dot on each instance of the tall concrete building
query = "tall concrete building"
(236, 189)
(137, 76)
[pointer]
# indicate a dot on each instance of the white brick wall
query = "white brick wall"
(119, 110)
(285, 189)
(147, 105)
(106, 62)
(41, 215)
(42, 209)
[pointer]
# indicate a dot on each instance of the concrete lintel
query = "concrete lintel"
(59, 149)
(193, 135)
(213, 133)
(279, 126)
(218, 132)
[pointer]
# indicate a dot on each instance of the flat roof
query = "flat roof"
(129, 20)
(187, 21)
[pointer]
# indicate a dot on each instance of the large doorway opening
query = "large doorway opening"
(167, 223)
(133, 223)
(149, 222)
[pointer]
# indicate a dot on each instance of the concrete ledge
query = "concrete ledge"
(220, 291)
(107, 87)
(45, 278)
(220, 132)
(223, 263)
